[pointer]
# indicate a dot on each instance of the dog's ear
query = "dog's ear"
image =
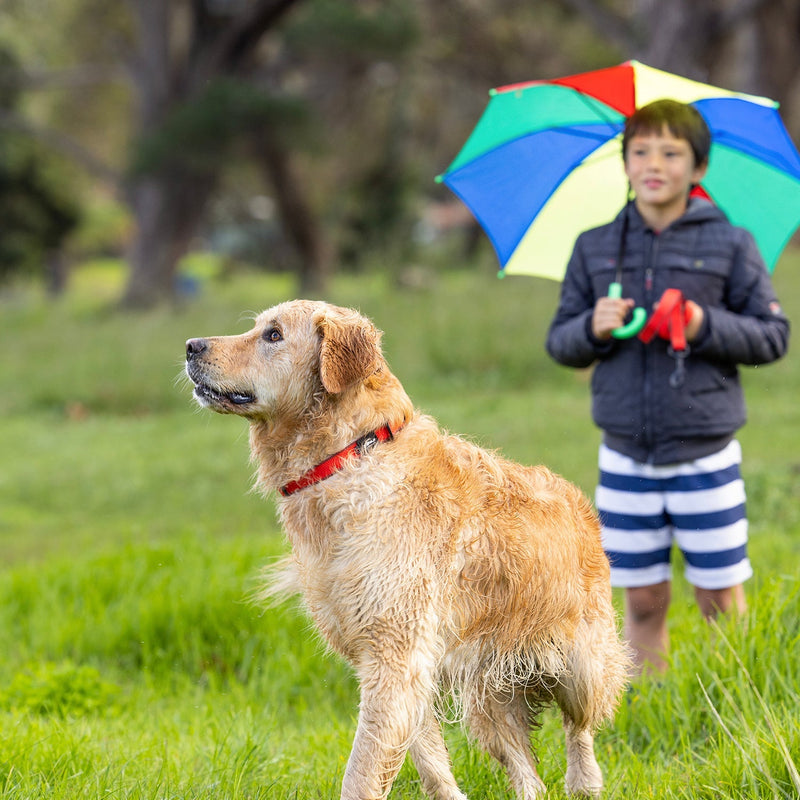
(350, 351)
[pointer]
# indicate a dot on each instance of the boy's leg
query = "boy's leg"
(646, 625)
(713, 602)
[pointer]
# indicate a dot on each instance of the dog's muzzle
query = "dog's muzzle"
(203, 391)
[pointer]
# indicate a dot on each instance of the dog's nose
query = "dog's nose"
(194, 347)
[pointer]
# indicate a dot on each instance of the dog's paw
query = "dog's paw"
(584, 787)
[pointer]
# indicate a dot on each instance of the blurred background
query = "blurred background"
(176, 141)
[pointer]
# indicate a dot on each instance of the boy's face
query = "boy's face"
(661, 170)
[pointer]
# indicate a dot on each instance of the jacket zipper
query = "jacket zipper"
(647, 415)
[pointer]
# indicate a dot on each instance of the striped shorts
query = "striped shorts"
(698, 504)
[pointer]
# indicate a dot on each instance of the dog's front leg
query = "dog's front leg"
(395, 702)
(388, 719)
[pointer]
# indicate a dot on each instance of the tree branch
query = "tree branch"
(71, 77)
(65, 145)
(239, 39)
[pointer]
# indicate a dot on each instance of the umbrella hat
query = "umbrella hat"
(544, 162)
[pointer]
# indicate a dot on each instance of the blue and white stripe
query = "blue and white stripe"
(698, 504)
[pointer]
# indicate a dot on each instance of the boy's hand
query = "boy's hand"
(609, 313)
(695, 320)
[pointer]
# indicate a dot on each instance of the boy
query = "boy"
(669, 462)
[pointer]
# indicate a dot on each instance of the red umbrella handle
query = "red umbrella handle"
(636, 323)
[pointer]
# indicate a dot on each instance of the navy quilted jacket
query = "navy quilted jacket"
(713, 263)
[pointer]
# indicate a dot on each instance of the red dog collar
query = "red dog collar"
(334, 463)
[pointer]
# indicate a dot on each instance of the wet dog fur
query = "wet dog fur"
(431, 565)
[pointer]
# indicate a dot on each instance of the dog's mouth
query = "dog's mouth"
(210, 396)
(224, 399)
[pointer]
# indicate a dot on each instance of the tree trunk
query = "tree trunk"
(57, 272)
(167, 210)
(297, 218)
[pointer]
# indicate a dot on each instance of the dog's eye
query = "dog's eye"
(272, 335)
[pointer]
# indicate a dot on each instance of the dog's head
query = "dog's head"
(295, 351)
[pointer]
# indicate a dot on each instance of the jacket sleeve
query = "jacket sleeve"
(752, 329)
(569, 340)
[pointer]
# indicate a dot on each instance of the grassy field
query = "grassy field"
(132, 663)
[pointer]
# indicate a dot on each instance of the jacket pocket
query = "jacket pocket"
(701, 278)
(710, 401)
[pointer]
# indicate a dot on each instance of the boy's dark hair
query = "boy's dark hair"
(680, 119)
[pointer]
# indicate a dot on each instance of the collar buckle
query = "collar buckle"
(366, 442)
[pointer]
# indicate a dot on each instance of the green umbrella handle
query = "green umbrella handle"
(639, 315)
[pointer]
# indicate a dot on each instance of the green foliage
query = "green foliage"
(63, 690)
(37, 208)
(10, 79)
(104, 228)
(37, 211)
(345, 30)
(135, 664)
(197, 133)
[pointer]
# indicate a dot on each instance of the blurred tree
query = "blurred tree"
(36, 208)
(186, 114)
(218, 83)
(356, 58)
(346, 110)
(208, 83)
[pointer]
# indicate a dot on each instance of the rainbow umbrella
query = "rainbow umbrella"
(544, 162)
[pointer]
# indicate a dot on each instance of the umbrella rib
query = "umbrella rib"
(599, 108)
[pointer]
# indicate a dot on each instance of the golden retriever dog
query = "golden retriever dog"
(432, 566)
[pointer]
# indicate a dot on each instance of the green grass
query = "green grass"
(132, 663)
